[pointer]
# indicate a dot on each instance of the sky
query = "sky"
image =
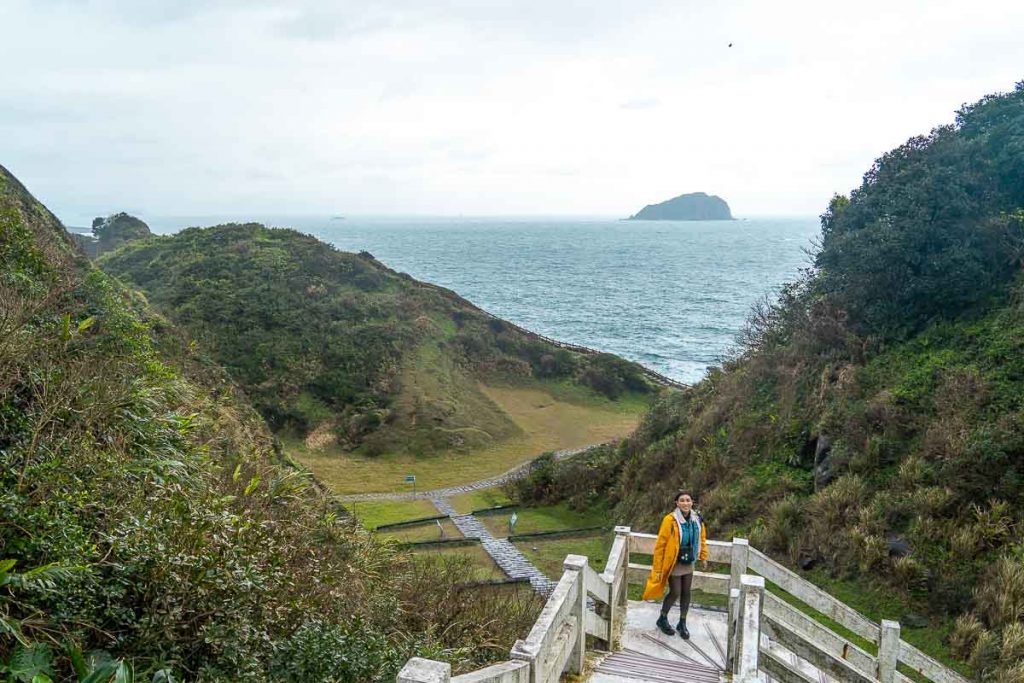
(449, 107)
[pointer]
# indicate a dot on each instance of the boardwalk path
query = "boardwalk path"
(517, 472)
(505, 555)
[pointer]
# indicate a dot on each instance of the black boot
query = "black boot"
(683, 631)
(662, 623)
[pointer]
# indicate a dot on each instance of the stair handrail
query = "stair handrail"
(556, 641)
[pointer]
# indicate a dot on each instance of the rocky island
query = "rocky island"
(695, 206)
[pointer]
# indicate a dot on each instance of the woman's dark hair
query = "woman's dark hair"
(680, 494)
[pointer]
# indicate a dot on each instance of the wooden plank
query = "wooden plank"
(505, 672)
(813, 596)
(638, 572)
(642, 543)
(555, 611)
(836, 667)
(720, 552)
(927, 666)
(596, 586)
(711, 583)
(775, 665)
(617, 555)
(596, 626)
(826, 639)
(557, 656)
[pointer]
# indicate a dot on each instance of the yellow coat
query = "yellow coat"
(666, 553)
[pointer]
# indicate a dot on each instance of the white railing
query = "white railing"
(765, 633)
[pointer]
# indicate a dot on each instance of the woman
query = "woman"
(682, 539)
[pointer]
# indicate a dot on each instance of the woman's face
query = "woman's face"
(684, 503)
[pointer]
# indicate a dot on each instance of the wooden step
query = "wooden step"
(636, 666)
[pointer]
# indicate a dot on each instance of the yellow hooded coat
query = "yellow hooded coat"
(666, 553)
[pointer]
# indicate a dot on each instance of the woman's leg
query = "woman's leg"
(674, 593)
(685, 581)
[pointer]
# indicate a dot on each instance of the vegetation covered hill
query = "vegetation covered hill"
(108, 233)
(695, 206)
(146, 523)
(337, 346)
(874, 423)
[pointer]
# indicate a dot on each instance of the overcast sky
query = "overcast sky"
(473, 107)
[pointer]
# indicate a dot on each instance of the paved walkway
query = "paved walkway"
(505, 555)
(517, 472)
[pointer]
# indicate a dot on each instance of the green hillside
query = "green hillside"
(873, 426)
(336, 347)
(148, 530)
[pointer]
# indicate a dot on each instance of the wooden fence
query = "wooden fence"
(766, 635)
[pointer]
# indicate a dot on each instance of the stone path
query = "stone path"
(505, 555)
(517, 472)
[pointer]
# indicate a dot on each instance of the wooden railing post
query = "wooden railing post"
(748, 629)
(619, 594)
(419, 670)
(738, 560)
(577, 563)
(523, 652)
(731, 628)
(888, 650)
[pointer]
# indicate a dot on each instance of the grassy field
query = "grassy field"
(373, 513)
(482, 567)
(551, 417)
(547, 518)
(549, 554)
(477, 500)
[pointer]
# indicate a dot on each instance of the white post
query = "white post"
(740, 556)
(748, 629)
(419, 670)
(577, 563)
(525, 653)
(888, 650)
(731, 628)
(618, 601)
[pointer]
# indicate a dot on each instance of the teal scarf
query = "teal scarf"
(689, 534)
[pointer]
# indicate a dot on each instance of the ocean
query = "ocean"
(670, 295)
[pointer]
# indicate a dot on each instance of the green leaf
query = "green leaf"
(253, 483)
(29, 662)
(65, 328)
(41, 678)
(237, 473)
(77, 660)
(6, 566)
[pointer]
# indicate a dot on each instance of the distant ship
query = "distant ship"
(337, 218)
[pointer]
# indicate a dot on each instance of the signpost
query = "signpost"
(512, 523)
(411, 479)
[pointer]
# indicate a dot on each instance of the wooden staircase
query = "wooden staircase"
(761, 638)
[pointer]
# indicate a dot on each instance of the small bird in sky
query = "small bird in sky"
(730, 44)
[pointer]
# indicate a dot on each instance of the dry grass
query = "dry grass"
(547, 423)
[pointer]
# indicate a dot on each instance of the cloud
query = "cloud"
(641, 103)
(449, 106)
